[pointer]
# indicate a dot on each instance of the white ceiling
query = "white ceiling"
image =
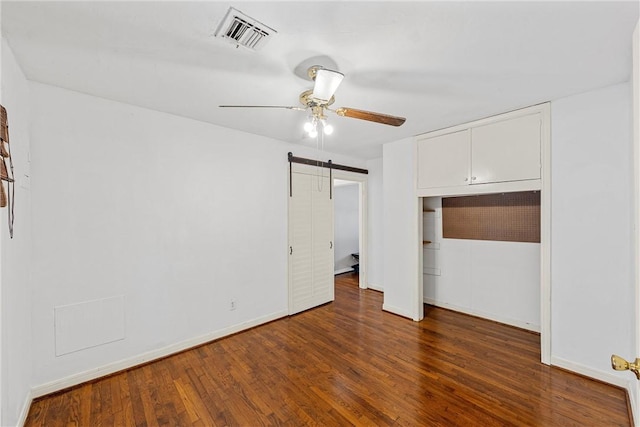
(435, 63)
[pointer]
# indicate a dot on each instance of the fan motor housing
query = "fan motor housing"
(307, 99)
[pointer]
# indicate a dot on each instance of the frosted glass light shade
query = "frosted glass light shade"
(327, 82)
(328, 129)
(308, 126)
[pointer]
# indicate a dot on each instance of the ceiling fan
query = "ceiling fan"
(321, 97)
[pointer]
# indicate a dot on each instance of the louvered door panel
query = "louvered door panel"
(322, 224)
(310, 241)
(300, 243)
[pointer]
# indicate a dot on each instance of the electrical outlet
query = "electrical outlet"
(232, 304)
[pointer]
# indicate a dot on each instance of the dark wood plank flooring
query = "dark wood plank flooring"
(347, 363)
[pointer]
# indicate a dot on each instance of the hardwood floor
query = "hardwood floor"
(347, 363)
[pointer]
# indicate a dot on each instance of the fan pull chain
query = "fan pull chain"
(320, 174)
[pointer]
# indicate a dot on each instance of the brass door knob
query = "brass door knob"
(620, 364)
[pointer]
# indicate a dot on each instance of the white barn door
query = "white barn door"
(310, 241)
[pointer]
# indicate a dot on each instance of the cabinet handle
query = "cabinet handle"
(466, 179)
(330, 245)
(290, 250)
(473, 178)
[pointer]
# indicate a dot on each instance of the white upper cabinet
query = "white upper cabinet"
(444, 160)
(500, 153)
(506, 151)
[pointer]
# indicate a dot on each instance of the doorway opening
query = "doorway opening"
(311, 279)
(350, 230)
(346, 229)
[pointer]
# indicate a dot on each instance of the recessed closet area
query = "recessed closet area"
(481, 256)
(483, 199)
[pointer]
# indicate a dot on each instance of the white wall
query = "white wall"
(401, 263)
(176, 215)
(495, 280)
(346, 199)
(15, 291)
(592, 287)
(375, 226)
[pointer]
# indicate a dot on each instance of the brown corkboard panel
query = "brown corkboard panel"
(507, 217)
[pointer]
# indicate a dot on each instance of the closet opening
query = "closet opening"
(482, 256)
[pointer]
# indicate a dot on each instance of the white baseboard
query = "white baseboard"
(375, 287)
(22, 418)
(633, 402)
(507, 321)
(342, 270)
(111, 368)
(606, 377)
(396, 310)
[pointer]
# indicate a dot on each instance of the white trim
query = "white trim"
(606, 377)
(635, 416)
(500, 319)
(493, 187)
(545, 237)
(92, 374)
(22, 418)
(363, 231)
(396, 310)
(378, 288)
(419, 292)
(634, 388)
(342, 270)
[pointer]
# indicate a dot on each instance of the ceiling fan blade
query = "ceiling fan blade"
(371, 116)
(264, 106)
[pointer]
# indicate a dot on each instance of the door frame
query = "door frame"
(634, 385)
(363, 239)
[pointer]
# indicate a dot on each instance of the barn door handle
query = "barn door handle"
(290, 250)
(330, 245)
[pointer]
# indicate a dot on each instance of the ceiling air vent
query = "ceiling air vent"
(242, 30)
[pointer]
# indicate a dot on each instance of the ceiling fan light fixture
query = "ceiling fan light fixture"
(327, 82)
(313, 133)
(308, 126)
(327, 128)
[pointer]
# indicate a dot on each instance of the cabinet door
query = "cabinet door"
(443, 161)
(506, 151)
